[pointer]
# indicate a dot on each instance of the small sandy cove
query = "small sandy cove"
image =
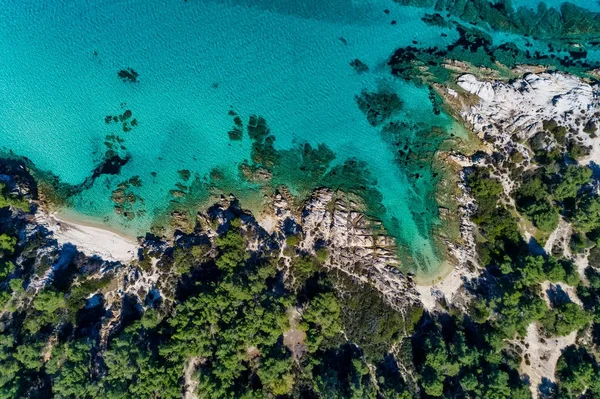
(89, 237)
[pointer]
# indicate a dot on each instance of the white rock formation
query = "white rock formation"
(518, 108)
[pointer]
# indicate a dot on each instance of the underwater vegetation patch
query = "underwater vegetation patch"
(116, 155)
(379, 106)
(476, 47)
(236, 132)
(127, 203)
(359, 66)
(128, 75)
(569, 22)
(125, 119)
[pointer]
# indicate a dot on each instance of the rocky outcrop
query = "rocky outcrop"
(537, 113)
(357, 244)
(521, 106)
(465, 251)
(508, 116)
(511, 112)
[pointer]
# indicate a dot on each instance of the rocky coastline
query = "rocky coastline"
(332, 231)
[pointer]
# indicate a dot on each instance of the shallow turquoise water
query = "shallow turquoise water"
(592, 5)
(285, 60)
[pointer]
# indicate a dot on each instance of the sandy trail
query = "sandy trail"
(542, 355)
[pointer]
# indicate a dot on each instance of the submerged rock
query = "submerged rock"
(110, 166)
(128, 75)
(359, 66)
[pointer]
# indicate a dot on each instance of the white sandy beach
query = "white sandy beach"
(446, 287)
(90, 238)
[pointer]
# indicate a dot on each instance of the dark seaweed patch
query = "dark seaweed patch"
(379, 106)
(476, 47)
(111, 165)
(128, 75)
(569, 22)
(435, 20)
(236, 133)
(359, 66)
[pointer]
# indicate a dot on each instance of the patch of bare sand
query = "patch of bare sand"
(559, 236)
(581, 262)
(268, 222)
(548, 287)
(446, 288)
(540, 355)
(190, 384)
(90, 238)
(294, 338)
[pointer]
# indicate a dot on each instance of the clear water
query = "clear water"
(285, 60)
(592, 5)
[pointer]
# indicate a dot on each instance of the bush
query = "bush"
(577, 150)
(186, 258)
(292, 241)
(7, 200)
(587, 213)
(594, 258)
(7, 243)
(573, 179)
(578, 243)
(576, 371)
(322, 254)
(561, 271)
(50, 307)
(565, 318)
(543, 216)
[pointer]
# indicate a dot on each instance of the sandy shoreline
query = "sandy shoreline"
(89, 237)
(445, 269)
(431, 290)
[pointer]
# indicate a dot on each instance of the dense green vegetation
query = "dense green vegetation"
(455, 361)
(503, 249)
(6, 199)
(508, 296)
(577, 373)
(234, 322)
(235, 326)
(238, 328)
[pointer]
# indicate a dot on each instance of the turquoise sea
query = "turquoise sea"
(592, 5)
(288, 61)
